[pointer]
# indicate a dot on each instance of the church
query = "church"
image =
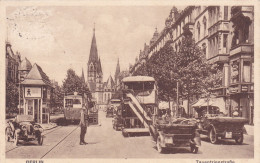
(101, 91)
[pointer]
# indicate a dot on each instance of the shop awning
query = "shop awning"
(200, 103)
(217, 102)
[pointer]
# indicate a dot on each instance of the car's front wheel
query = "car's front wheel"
(160, 149)
(213, 136)
(16, 138)
(40, 139)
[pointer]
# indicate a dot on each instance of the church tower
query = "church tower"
(95, 74)
(117, 74)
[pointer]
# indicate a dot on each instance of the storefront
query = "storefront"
(36, 95)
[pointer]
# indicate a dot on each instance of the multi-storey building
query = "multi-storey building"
(13, 62)
(225, 34)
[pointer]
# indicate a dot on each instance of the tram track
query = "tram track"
(59, 142)
(57, 128)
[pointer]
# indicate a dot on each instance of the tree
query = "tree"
(12, 97)
(188, 66)
(73, 83)
(160, 66)
(192, 69)
(57, 97)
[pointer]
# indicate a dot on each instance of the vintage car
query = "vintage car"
(176, 132)
(217, 126)
(110, 112)
(23, 128)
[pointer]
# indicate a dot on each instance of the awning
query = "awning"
(200, 103)
(217, 102)
(138, 79)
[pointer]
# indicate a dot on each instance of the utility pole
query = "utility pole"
(177, 98)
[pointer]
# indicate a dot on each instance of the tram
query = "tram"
(73, 103)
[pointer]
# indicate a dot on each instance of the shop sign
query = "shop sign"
(233, 89)
(244, 88)
(32, 92)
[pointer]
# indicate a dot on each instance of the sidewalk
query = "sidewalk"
(249, 130)
(48, 126)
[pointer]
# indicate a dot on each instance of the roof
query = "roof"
(93, 56)
(25, 65)
(138, 79)
(110, 82)
(36, 76)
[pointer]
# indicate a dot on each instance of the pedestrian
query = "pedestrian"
(83, 124)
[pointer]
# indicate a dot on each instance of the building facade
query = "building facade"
(226, 36)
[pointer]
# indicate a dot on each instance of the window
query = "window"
(252, 74)
(205, 25)
(235, 72)
(225, 37)
(246, 71)
(204, 48)
(198, 29)
(225, 12)
(225, 41)
(105, 97)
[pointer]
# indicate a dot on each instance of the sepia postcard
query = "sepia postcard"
(130, 81)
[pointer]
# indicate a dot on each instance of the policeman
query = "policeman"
(83, 124)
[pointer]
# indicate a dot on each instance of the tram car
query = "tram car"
(73, 103)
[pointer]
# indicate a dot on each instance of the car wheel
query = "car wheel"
(160, 149)
(16, 138)
(7, 134)
(194, 149)
(213, 136)
(40, 139)
(239, 140)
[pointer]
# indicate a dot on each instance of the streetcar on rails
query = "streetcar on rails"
(73, 103)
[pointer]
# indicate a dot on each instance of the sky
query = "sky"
(59, 38)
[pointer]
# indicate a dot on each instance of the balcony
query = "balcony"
(219, 26)
(219, 58)
(241, 48)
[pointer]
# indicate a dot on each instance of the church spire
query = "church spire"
(82, 76)
(93, 56)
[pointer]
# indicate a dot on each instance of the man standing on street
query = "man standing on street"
(83, 125)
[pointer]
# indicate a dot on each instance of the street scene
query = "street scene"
(105, 82)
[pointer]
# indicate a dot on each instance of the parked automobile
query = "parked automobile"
(23, 128)
(217, 126)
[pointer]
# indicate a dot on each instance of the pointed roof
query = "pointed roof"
(99, 67)
(117, 68)
(93, 56)
(25, 65)
(36, 76)
(110, 82)
(82, 76)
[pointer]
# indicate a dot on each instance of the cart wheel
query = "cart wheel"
(16, 138)
(160, 149)
(240, 139)
(40, 139)
(7, 134)
(194, 149)
(212, 136)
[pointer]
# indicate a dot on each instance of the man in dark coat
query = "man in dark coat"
(83, 124)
